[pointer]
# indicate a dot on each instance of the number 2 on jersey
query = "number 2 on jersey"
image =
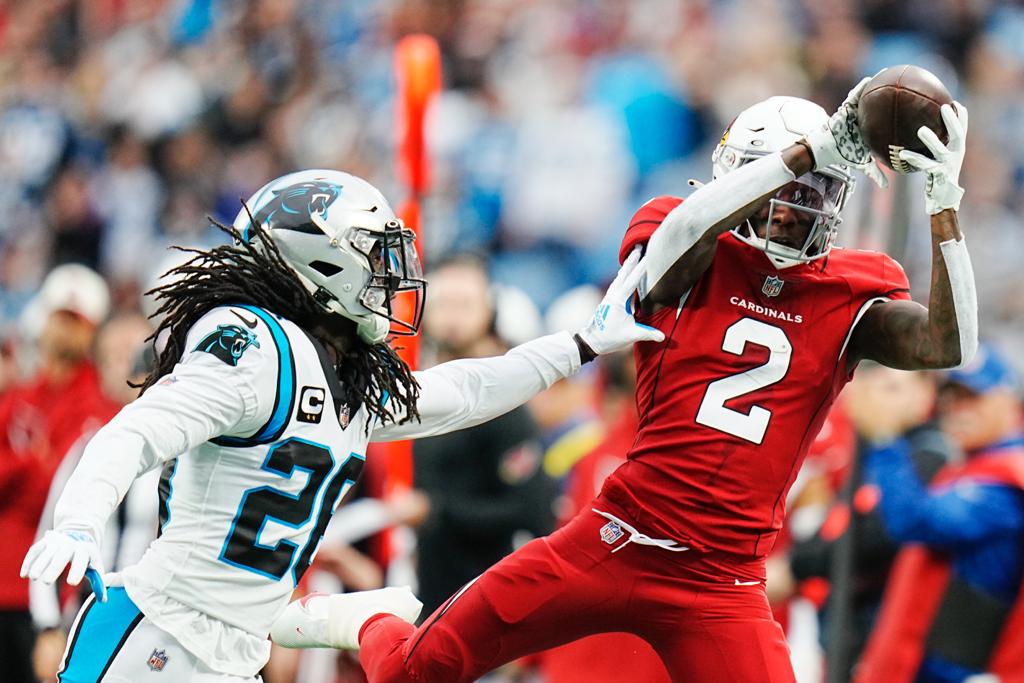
(243, 549)
(753, 425)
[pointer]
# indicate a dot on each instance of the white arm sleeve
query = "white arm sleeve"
(965, 298)
(163, 423)
(710, 204)
(202, 397)
(468, 392)
(355, 521)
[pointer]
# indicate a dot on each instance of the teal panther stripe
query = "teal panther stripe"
(285, 399)
(102, 632)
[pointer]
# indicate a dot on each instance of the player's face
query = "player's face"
(785, 225)
(377, 257)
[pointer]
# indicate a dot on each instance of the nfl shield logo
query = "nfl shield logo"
(772, 285)
(611, 532)
(157, 660)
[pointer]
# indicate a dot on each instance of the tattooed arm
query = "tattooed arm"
(905, 334)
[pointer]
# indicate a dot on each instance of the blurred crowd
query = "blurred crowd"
(125, 124)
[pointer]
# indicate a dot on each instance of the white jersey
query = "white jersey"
(242, 513)
(258, 449)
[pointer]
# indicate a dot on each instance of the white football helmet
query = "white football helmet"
(340, 236)
(771, 126)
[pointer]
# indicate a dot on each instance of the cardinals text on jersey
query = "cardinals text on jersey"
(731, 403)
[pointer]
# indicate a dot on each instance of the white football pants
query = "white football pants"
(114, 642)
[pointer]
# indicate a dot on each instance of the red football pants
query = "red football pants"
(704, 625)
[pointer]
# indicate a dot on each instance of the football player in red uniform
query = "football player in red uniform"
(764, 323)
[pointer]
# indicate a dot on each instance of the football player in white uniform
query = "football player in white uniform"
(275, 375)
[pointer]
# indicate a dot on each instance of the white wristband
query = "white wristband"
(965, 298)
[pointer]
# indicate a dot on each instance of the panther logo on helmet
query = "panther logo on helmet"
(290, 207)
(343, 241)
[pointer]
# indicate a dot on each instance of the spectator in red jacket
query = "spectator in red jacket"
(120, 355)
(40, 418)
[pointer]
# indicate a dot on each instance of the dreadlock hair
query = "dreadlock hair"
(242, 273)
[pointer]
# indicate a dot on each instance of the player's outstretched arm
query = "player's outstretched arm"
(683, 246)
(904, 334)
(194, 404)
(467, 392)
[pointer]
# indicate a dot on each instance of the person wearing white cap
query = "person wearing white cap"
(69, 287)
(40, 418)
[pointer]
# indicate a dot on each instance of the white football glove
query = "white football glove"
(943, 189)
(841, 142)
(48, 557)
(613, 327)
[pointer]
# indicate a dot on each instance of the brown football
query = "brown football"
(894, 105)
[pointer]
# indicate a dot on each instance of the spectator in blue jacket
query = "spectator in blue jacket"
(970, 520)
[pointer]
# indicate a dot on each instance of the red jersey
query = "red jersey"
(39, 422)
(731, 401)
